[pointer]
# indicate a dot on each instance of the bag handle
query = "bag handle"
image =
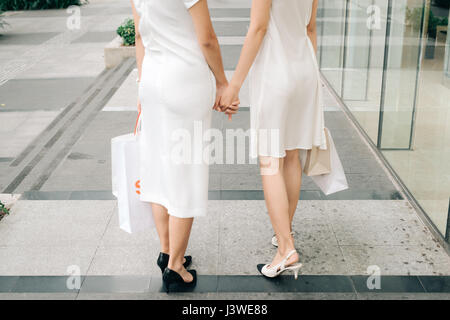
(137, 122)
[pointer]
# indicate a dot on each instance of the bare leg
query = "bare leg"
(162, 226)
(179, 232)
(293, 179)
(277, 203)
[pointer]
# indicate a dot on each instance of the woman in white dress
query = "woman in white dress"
(286, 113)
(181, 79)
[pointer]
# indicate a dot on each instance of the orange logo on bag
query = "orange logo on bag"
(138, 186)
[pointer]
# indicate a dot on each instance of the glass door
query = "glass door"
(401, 70)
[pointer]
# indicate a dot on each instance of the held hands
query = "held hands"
(227, 100)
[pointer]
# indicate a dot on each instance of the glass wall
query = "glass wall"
(389, 61)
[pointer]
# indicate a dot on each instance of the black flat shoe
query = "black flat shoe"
(172, 281)
(163, 261)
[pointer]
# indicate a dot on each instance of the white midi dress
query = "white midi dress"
(176, 92)
(285, 87)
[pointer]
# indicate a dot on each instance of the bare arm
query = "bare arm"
(140, 51)
(259, 21)
(209, 44)
(312, 26)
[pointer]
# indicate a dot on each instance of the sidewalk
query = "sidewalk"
(67, 215)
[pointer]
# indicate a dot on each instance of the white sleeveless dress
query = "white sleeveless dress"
(285, 88)
(177, 92)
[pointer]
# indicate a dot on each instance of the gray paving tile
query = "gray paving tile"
(231, 28)
(368, 181)
(62, 13)
(37, 296)
(124, 260)
(285, 284)
(221, 296)
(214, 181)
(41, 94)
(91, 195)
(42, 284)
(235, 168)
(240, 181)
(389, 284)
(230, 12)
(321, 259)
(235, 244)
(236, 195)
(42, 195)
(403, 296)
(96, 36)
(204, 241)
(435, 283)
(37, 38)
(285, 296)
(361, 166)
(368, 194)
(116, 284)
(397, 260)
(230, 55)
(392, 211)
(42, 233)
(95, 142)
(205, 284)
(7, 283)
(149, 296)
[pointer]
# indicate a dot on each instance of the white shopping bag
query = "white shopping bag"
(334, 181)
(134, 214)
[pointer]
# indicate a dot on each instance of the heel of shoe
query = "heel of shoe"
(166, 287)
(163, 260)
(296, 270)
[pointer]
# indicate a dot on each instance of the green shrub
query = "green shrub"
(6, 5)
(127, 32)
(3, 210)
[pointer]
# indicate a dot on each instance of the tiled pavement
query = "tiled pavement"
(70, 217)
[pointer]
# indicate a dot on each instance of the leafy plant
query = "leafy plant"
(415, 17)
(3, 210)
(6, 5)
(127, 32)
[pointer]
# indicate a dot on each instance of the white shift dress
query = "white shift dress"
(285, 88)
(177, 92)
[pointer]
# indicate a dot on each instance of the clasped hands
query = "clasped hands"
(227, 99)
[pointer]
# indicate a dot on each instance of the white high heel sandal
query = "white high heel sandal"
(275, 240)
(275, 271)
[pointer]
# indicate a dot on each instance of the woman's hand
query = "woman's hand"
(220, 89)
(229, 103)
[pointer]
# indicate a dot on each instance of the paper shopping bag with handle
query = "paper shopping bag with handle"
(334, 181)
(134, 214)
(318, 161)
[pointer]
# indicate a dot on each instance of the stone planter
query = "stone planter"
(115, 52)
